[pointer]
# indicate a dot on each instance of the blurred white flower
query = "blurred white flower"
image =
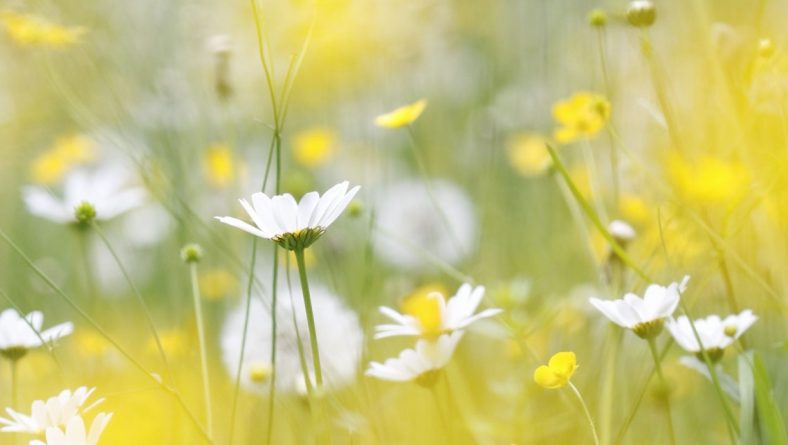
(621, 230)
(431, 315)
(106, 189)
(75, 433)
(645, 316)
(715, 334)
(55, 412)
(413, 219)
(18, 335)
(290, 224)
(340, 341)
(420, 364)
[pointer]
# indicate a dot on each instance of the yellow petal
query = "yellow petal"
(563, 364)
(545, 377)
(402, 116)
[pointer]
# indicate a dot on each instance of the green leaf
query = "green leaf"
(770, 418)
(746, 400)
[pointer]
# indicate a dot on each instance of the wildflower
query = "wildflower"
(341, 341)
(644, 316)
(31, 30)
(715, 334)
(430, 315)
(293, 225)
(19, 335)
(528, 154)
(219, 165)
(55, 412)
(75, 434)
(710, 180)
(621, 231)
(557, 372)
(66, 153)
(641, 13)
(191, 253)
(597, 18)
(105, 189)
(216, 284)
(314, 147)
(582, 115)
(421, 364)
(415, 218)
(402, 116)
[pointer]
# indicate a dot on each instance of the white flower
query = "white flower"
(293, 224)
(415, 220)
(421, 363)
(75, 433)
(431, 315)
(105, 189)
(621, 230)
(340, 341)
(18, 335)
(715, 334)
(645, 316)
(55, 412)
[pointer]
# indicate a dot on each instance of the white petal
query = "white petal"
(229, 220)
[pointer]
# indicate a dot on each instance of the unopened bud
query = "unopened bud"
(597, 18)
(191, 253)
(641, 13)
(85, 213)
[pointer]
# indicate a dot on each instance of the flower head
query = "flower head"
(293, 225)
(55, 412)
(66, 153)
(641, 13)
(219, 165)
(528, 154)
(105, 189)
(581, 115)
(557, 372)
(402, 116)
(645, 316)
(420, 364)
(314, 147)
(430, 315)
(18, 335)
(75, 433)
(715, 333)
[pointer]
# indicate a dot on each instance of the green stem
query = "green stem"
(206, 387)
(310, 318)
(659, 88)
(652, 346)
(14, 381)
(272, 387)
(587, 413)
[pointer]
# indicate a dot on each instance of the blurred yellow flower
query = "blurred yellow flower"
(634, 208)
(216, 284)
(528, 154)
(66, 153)
(174, 341)
(581, 115)
(711, 180)
(402, 116)
(91, 343)
(219, 165)
(314, 147)
(31, 30)
(557, 372)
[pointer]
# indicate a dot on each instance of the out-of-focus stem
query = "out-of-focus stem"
(206, 386)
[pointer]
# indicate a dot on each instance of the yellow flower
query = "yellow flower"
(528, 154)
(314, 147)
(634, 208)
(219, 165)
(174, 342)
(216, 284)
(31, 30)
(557, 372)
(581, 115)
(402, 116)
(66, 153)
(709, 181)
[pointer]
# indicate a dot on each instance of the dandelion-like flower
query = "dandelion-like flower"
(104, 189)
(19, 335)
(582, 115)
(644, 316)
(340, 342)
(430, 315)
(402, 116)
(293, 225)
(421, 364)
(557, 372)
(715, 333)
(75, 433)
(55, 412)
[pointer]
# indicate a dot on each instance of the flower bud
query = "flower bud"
(191, 253)
(85, 213)
(597, 18)
(641, 13)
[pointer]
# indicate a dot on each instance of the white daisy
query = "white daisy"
(340, 341)
(18, 335)
(55, 412)
(294, 225)
(715, 334)
(75, 434)
(105, 189)
(431, 315)
(421, 364)
(409, 226)
(645, 316)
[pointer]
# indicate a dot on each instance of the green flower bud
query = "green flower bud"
(641, 13)
(85, 213)
(597, 18)
(191, 253)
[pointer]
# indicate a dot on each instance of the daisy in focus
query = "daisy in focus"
(431, 314)
(293, 225)
(105, 189)
(402, 116)
(18, 335)
(644, 316)
(55, 412)
(420, 364)
(715, 333)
